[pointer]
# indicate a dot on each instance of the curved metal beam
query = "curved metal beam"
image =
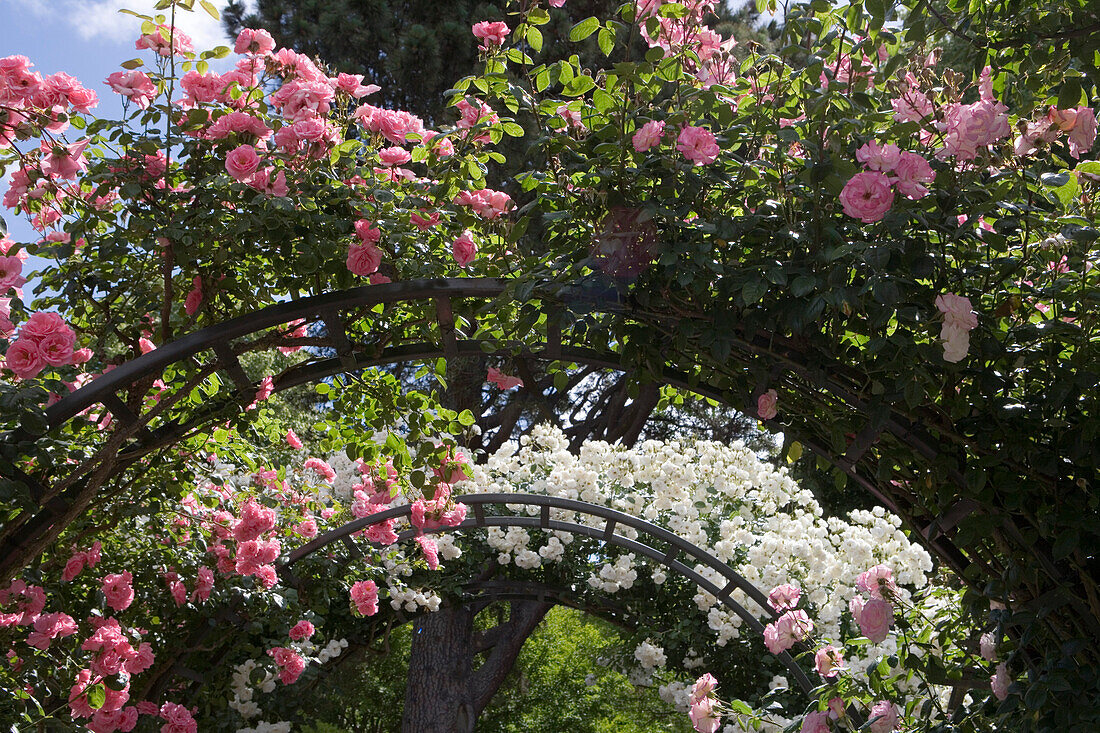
(612, 519)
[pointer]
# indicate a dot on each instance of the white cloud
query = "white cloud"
(100, 19)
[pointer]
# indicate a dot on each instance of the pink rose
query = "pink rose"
(829, 661)
(242, 162)
(464, 250)
(875, 619)
(1083, 134)
(6, 326)
(302, 630)
(365, 596)
(363, 259)
(73, 567)
(25, 359)
(783, 597)
(118, 590)
(367, 232)
(321, 468)
(424, 223)
(307, 528)
(251, 41)
(704, 718)
(883, 717)
(430, 550)
(1000, 681)
(134, 85)
(878, 582)
(971, 128)
(911, 171)
(867, 196)
(179, 592)
(178, 719)
(204, 585)
(791, 627)
(571, 116)
(57, 348)
(50, 626)
(765, 405)
(394, 156)
(194, 298)
(491, 33)
(703, 687)
(648, 136)
(815, 723)
(292, 440)
(11, 273)
(44, 323)
(879, 157)
(957, 311)
(254, 521)
(698, 145)
(988, 646)
(142, 660)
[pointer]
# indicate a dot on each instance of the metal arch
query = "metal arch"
(613, 518)
(133, 437)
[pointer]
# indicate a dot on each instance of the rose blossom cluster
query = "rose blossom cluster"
(867, 196)
(959, 320)
(30, 101)
(81, 559)
(1079, 123)
(875, 614)
(45, 340)
(969, 129)
(705, 718)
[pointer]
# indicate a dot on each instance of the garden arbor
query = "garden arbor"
(439, 697)
(839, 238)
(570, 325)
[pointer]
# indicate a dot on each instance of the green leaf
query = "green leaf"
(97, 695)
(512, 129)
(606, 39)
(753, 291)
(803, 285)
(132, 64)
(561, 381)
(584, 29)
(210, 9)
(578, 85)
(534, 38)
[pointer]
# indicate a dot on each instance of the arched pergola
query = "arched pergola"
(488, 510)
(558, 320)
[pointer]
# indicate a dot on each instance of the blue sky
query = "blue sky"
(88, 39)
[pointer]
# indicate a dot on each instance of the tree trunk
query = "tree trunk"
(437, 698)
(445, 693)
